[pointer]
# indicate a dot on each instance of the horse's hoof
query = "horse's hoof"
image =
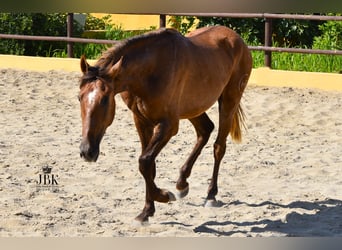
(172, 197)
(182, 193)
(212, 203)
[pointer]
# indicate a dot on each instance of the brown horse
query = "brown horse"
(163, 77)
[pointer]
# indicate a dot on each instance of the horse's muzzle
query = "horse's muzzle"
(88, 153)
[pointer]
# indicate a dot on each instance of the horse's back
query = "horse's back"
(228, 43)
(218, 36)
(214, 31)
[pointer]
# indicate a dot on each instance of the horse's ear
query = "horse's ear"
(115, 68)
(84, 64)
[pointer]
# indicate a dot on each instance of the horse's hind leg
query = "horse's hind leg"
(229, 116)
(225, 122)
(204, 126)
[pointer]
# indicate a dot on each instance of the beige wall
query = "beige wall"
(136, 22)
(260, 76)
(132, 22)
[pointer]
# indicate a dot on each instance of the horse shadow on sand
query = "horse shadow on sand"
(324, 219)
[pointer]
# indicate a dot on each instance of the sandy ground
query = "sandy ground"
(284, 179)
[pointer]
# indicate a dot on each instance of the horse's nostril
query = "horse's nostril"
(88, 153)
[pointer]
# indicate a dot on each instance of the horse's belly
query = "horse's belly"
(194, 105)
(203, 83)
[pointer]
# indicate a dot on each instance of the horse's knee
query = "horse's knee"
(145, 162)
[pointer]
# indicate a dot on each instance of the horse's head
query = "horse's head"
(97, 107)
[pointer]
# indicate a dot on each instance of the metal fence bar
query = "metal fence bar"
(70, 28)
(57, 39)
(296, 50)
(162, 21)
(261, 15)
(111, 42)
(268, 42)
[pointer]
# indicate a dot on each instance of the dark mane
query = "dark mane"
(113, 54)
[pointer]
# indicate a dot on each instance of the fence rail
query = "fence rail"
(261, 15)
(267, 48)
(57, 39)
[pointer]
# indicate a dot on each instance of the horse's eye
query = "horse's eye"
(104, 101)
(79, 98)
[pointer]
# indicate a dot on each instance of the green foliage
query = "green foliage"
(36, 24)
(182, 23)
(289, 33)
(307, 62)
(116, 32)
(94, 23)
(54, 24)
(294, 33)
(90, 50)
(286, 32)
(300, 62)
(331, 38)
(14, 23)
(46, 25)
(93, 51)
(249, 28)
(111, 32)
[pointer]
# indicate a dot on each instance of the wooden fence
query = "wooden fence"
(267, 47)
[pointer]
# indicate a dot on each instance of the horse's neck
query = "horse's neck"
(136, 61)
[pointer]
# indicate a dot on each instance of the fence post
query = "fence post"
(162, 21)
(268, 42)
(70, 28)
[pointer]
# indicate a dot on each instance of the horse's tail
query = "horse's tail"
(238, 120)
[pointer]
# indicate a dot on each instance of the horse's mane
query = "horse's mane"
(113, 54)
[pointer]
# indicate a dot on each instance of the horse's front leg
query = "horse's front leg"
(204, 126)
(147, 167)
